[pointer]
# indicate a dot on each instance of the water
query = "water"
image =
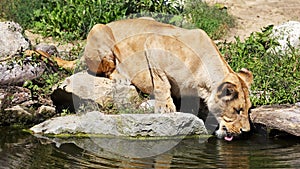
(21, 150)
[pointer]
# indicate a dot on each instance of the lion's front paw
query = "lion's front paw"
(164, 106)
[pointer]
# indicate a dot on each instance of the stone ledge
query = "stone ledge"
(133, 125)
(282, 117)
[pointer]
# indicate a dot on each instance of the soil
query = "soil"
(251, 16)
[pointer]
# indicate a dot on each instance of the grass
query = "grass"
(213, 20)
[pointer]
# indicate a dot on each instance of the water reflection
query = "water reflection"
(22, 150)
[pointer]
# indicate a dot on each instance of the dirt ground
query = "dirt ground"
(252, 15)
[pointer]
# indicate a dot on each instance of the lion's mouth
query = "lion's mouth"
(228, 137)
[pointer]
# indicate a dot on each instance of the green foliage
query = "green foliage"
(72, 19)
(276, 73)
(156, 6)
(19, 11)
(215, 21)
(41, 87)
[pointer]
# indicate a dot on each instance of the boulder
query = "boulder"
(13, 72)
(284, 118)
(11, 39)
(99, 89)
(288, 34)
(96, 123)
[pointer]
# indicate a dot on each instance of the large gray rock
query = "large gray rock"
(284, 118)
(171, 124)
(99, 89)
(11, 39)
(15, 70)
(12, 72)
(288, 34)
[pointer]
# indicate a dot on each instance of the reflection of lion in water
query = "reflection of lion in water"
(165, 60)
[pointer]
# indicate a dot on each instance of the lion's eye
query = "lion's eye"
(238, 111)
(227, 119)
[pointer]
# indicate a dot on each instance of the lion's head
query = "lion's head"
(98, 53)
(230, 104)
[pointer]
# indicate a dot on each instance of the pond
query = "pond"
(20, 149)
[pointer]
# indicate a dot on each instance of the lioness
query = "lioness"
(168, 60)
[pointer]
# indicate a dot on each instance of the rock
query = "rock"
(12, 72)
(159, 125)
(11, 40)
(13, 95)
(19, 111)
(288, 34)
(17, 106)
(149, 104)
(46, 110)
(50, 49)
(15, 70)
(21, 114)
(99, 89)
(283, 118)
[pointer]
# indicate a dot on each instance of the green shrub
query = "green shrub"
(215, 21)
(72, 19)
(276, 73)
(20, 11)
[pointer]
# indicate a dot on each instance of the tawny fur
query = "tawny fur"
(156, 57)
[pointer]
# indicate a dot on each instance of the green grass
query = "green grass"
(72, 19)
(276, 74)
(215, 21)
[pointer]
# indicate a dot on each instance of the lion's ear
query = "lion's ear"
(247, 76)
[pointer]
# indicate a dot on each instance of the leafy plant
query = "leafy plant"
(171, 7)
(276, 73)
(19, 11)
(213, 20)
(72, 19)
(41, 87)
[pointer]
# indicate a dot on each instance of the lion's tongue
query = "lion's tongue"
(228, 138)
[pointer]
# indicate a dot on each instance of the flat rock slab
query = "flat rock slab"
(156, 125)
(284, 118)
